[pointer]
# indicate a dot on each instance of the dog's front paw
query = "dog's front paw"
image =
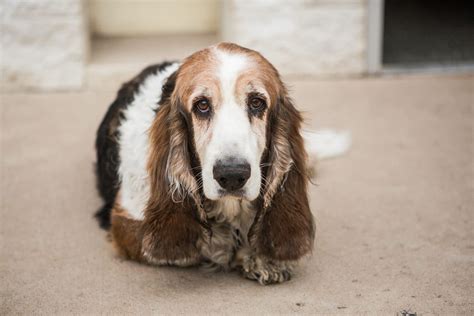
(266, 271)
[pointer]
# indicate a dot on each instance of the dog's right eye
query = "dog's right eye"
(202, 105)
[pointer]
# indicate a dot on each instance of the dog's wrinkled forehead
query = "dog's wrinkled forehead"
(223, 67)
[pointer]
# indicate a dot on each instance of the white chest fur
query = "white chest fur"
(134, 143)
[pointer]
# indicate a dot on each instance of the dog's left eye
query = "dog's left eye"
(256, 103)
(202, 105)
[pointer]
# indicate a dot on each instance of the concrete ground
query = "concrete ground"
(394, 215)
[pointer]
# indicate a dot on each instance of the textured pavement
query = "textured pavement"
(395, 229)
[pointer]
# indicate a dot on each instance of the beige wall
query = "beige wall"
(153, 17)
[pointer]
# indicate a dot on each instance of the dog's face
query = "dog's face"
(226, 93)
(227, 130)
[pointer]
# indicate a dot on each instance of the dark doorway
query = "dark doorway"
(428, 32)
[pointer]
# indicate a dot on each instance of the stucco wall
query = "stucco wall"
(301, 37)
(43, 44)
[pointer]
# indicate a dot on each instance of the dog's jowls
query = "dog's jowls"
(202, 162)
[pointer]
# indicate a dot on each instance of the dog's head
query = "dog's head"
(231, 130)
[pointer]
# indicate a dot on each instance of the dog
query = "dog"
(202, 162)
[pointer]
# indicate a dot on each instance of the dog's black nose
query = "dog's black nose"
(231, 175)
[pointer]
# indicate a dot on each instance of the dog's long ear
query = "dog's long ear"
(168, 160)
(173, 216)
(178, 163)
(170, 151)
(284, 228)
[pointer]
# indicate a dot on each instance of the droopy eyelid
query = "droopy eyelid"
(257, 94)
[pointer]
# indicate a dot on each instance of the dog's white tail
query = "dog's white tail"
(326, 143)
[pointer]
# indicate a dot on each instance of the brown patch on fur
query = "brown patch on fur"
(126, 234)
(264, 73)
(171, 236)
(284, 228)
(197, 69)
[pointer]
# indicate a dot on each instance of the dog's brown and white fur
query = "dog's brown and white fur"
(157, 150)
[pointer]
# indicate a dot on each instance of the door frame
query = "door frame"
(375, 11)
